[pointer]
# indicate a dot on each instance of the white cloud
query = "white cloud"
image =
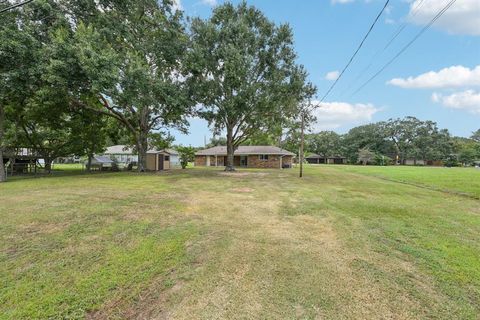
(211, 3)
(332, 75)
(468, 100)
(332, 115)
(341, 1)
(389, 21)
(463, 17)
(347, 1)
(455, 76)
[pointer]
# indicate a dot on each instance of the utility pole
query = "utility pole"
(302, 138)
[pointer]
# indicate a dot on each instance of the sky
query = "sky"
(437, 78)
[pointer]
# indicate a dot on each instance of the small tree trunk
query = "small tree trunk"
(302, 139)
(48, 164)
(89, 162)
(3, 174)
(230, 151)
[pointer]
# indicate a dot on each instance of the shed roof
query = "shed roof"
(245, 150)
(169, 151)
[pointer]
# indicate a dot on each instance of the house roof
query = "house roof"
(317, 156)
(124, 149)
(245, 150)
(119, 149)
(169, 151)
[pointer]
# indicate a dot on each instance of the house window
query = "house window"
(167, 158)
(263, 157)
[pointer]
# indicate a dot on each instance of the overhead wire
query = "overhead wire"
(15, 6)
(356, 51)
(394, 36)
(404, 48)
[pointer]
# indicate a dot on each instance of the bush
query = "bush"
(381, 160)
(451, 161)
(187, 154)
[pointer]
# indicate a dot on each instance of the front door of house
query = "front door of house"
(160, 162)
(243, 161)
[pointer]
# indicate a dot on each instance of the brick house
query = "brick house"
(246, 156)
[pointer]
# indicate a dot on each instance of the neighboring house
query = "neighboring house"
(419, 162)
(121, 154)
(317, 159)
(162, 159)
(246, 156)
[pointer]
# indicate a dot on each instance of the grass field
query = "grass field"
(459, 180)
(201, 244)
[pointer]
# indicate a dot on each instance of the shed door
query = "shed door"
(160, 161)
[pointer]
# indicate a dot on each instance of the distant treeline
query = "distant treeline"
(397, 140)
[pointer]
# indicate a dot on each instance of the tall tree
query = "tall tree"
(371, 136)
(132, 54)
(244, 73)
(402, 133)
(325, 143)
(476, 136)
(19, 56)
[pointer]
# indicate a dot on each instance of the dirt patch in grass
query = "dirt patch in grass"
(240, 174)
(243, 190)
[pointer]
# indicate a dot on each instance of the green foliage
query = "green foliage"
(370, 136)
(245, 73)
(398, 139)
(133, 53)
(476, 136)
(382, 160)
(468, 156)
(160, 140)
(187, 154)
(451, 161)
(325, 143)
(217, 141)
(365, 156)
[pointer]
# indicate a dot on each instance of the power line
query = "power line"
(15, 6)
(394, 35)
(439, 14)
(356, 51)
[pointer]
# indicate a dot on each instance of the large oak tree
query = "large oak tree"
(244, 73)
(132, 53)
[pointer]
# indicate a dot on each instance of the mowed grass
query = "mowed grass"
(459, 180)
(203, 244)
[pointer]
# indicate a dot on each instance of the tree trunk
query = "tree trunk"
(48, 164)
(142, 146)
(89, 162)
(302, 138)
(3, 175)
(230, 151)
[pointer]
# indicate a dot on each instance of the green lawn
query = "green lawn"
(460, 180)
(340, 243)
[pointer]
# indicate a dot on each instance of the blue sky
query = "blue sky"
(435, 79)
